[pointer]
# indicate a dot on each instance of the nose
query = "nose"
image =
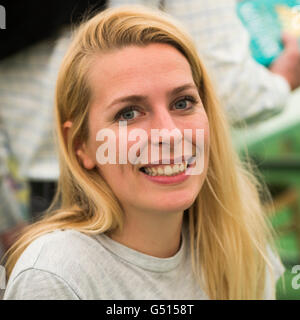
(162, 119)
(164, 131)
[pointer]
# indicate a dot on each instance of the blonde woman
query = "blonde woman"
(132, 230)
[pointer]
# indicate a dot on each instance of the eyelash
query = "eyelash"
(135, 108)
(126, 109)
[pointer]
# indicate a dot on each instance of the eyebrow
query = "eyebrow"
(139, 98)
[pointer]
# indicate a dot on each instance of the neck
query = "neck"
(155, 234)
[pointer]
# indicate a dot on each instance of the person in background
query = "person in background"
(13, 211)
(249, 92)
(31, 49)
(27, 85)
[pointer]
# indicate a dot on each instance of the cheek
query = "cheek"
(116, 177)
(200, 127)
(121, 180)
(201, 140)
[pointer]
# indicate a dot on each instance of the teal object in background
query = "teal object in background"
(261, 19)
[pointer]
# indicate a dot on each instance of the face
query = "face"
(147, 88)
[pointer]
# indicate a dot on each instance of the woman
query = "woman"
(143, 230)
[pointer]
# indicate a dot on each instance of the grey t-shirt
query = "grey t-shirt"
(71, 265)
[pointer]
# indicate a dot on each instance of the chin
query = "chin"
(174, 204)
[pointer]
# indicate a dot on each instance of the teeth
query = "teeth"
(167, 170)
(160, 171)
(176, 168)
(154, 173)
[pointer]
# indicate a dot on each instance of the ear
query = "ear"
(81, 149)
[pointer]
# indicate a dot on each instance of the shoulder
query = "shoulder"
(66, 255)
(55, 250)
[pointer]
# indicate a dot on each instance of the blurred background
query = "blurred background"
(33, 40)
(274, 145)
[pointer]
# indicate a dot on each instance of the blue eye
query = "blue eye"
(185, 103)
(126, 114)
(181, 104)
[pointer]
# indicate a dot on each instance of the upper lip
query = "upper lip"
(167, 161)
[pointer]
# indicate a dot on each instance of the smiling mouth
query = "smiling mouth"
(167, 170)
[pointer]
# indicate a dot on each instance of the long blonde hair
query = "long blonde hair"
(228, 229)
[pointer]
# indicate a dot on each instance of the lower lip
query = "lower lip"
(169, 179)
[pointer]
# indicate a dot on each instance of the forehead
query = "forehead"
(136, 70)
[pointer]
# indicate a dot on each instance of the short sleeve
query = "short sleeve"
(278, 270)
(35, 284)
